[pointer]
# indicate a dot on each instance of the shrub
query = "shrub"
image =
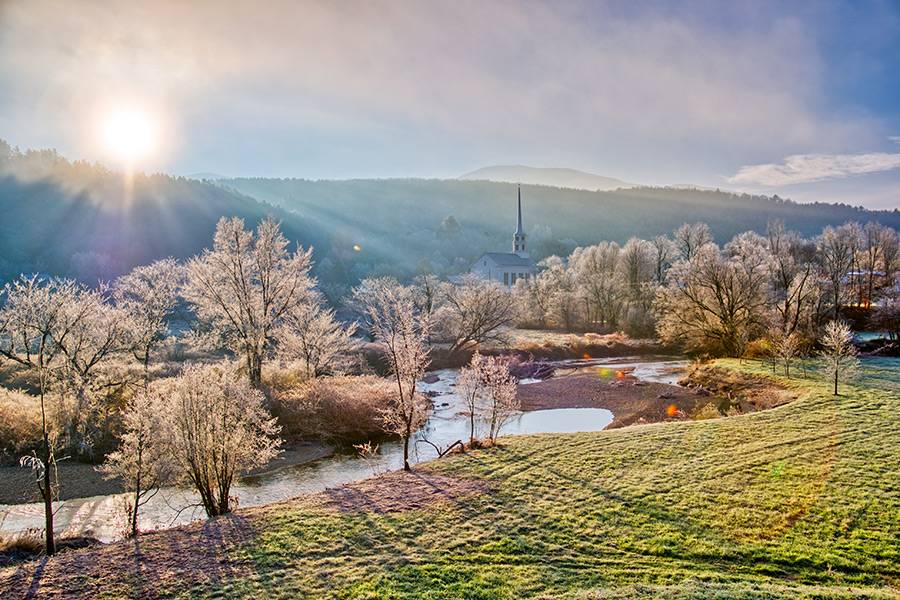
(345, 408)
(22, 546)
(20, 422)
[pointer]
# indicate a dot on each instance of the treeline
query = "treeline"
(718, 300)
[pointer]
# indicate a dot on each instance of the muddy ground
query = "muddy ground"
(705, 393)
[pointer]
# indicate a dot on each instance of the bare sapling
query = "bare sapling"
(839, 354)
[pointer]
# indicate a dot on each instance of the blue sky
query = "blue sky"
(795, 98)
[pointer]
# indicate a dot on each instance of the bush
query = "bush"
(343, 408)
(20, 423)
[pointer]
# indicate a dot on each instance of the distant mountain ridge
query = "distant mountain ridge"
(553, 177)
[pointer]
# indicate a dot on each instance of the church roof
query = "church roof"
(508, 259)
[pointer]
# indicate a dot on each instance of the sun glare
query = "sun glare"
(129, 135)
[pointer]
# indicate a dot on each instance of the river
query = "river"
(101, 516)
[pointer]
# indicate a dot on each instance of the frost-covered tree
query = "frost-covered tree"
(716, 301)
(837, 252)
(838, 353)
(31, 312)
(147, 296)
(500, 402)
(95, 332)
(403, 332)
(218, 428)
(794, 288)
(664, 254)
(470, 387)
(311, 334)
(143, 460)
(245, 285)
(786, 348)
(592, 274)
(475, 311)
(690, 237)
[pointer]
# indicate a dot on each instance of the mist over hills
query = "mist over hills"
(554, 177)
(405, 225)
(77, 219)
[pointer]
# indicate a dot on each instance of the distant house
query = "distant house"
(508, 267)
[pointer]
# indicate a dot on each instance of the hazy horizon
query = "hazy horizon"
(797, 100)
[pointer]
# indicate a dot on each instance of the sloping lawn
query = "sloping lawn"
(801, 500)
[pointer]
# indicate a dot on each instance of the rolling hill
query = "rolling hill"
(553, 177)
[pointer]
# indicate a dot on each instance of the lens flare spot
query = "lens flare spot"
(672, 410)
(586, 356)
(620, 374)
(357, 248)
(603, 372)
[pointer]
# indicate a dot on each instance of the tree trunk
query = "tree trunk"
(835, 382)
(47, 492)
(406, 466)
(254, 367)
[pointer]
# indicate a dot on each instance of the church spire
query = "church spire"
(519, 235)
(519, 229)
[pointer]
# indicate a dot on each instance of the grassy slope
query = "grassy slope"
(799, 500)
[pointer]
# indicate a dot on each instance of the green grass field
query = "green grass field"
(798, 501)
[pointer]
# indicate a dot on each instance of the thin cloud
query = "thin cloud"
(894, 138)
(805, 168)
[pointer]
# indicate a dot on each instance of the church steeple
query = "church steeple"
(519, 230)
(519, 235)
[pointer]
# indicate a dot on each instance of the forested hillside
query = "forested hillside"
(406, 224)
(81, 220)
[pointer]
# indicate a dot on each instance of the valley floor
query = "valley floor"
(799, 500)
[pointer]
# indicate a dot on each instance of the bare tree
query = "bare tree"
(838, 353)
(312, 335)
(218, 428)
(148, 296)
(476, 311)
(715, 302)
(403, 331)
(794, 288)
(689, 238)
(470, 387)
(32, 320)
(246, 284)
(837, 250)
(95, 332)
(664, 253)
(143, 459)
(592, 272)
(534, 298)
(500, 388)
(786, 347)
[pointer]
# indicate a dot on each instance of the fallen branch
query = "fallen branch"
(438, 449)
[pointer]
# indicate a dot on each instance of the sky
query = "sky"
(799, 99)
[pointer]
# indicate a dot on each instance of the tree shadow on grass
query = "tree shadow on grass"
(149, 566)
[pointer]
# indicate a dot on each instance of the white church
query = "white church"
(508, 267)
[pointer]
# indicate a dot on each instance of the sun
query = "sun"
(130, 135)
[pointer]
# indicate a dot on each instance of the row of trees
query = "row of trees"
(248, 295)
(716, 299)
